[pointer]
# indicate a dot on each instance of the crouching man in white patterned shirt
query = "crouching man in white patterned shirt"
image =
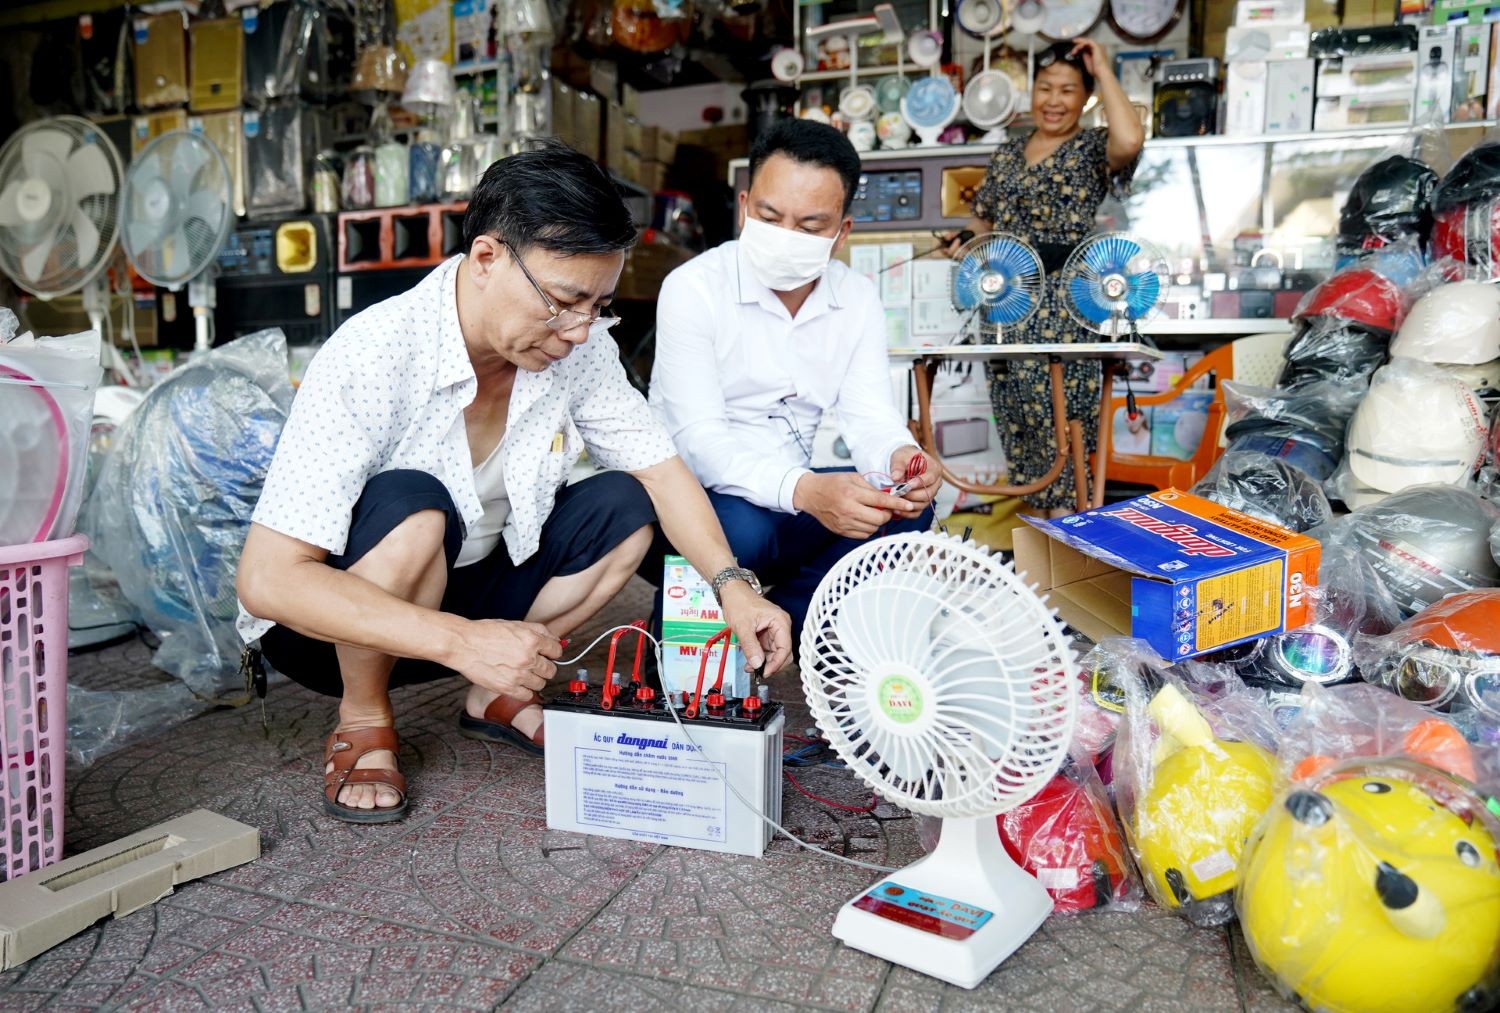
(416, 520)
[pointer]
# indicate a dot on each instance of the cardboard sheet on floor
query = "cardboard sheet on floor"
(43, 908)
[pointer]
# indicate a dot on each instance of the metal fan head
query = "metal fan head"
(998, 282)
(60, 180)
(938, 676)
(989, 99)
(175, 208)
(1114, 281)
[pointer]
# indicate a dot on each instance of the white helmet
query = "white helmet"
(1457, 323)
(1417, 425)
(1484, 376)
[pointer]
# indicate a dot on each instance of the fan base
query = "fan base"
(916, 916)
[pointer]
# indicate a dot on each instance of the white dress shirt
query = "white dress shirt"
(388, 392)
(741, 385)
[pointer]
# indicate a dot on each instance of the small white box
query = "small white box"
(1434, 73)
(641, 778)
(1252, 43)
(864, 258)
(690, 617)
(932, 279)
(1260, 12)
(895, 277)
(1245, 99)
(934, 317)
(1289, 96)
(1471, 66)
(898, 327)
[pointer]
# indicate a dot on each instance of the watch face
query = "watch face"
(1067, 19)
(1144, 20)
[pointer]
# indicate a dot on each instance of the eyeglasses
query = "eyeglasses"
(561, 319)
(785, 418)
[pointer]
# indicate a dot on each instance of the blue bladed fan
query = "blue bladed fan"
(1114, 281)
(997, 283)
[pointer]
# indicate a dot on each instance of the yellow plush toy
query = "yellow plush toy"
(1376, 886)
(1204, 797)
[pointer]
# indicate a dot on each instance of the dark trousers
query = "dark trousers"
(790, 553)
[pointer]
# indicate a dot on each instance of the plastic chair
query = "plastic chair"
(1254, 359)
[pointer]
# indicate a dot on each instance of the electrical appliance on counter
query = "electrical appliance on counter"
(1186, 99)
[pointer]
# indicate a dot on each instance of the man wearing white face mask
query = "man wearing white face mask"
(755, 340)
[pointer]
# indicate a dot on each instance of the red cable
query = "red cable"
(829, 802)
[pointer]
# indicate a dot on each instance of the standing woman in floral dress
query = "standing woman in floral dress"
(1045, 188)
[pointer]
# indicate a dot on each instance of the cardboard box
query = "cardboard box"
(1245, 99)
(1434, 73)
(1289, 96)
(690, 617)
(932, 318)
(1471, 71)
(1252, 43)
(1276, 12)
(658, 144)
(1183, 573)
(43, 908)
(895, 274)
(588, 123)
(932, 278)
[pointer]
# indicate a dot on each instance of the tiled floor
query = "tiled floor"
(472, 902)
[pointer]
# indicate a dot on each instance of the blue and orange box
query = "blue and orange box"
(1183, 573)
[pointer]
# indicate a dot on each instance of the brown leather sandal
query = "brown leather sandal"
(343, 751)
(496, 725)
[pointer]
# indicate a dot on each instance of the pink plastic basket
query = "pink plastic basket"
(33, 700)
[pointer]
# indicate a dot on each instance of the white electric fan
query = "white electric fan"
(998, 282)
(930, 104)
(1114, 281)
(989, 98)
(175, 214)
(948, 687)
(60, 181)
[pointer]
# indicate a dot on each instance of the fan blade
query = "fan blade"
(86, 235)
(10, 211)
(887, 618)
(89, 172)
(140, 236)
(1144, 291)
(41, 148)
(148, 169)
(1110, 254)
(1086, 301)
(207, 205)
(175, 250)
(1011, 259)
(966, 294)
(34, 261)
(1012, 307)
(187, 159)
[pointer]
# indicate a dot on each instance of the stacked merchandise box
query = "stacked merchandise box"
(690, 617)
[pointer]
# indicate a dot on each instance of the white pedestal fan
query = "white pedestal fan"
(947, 686)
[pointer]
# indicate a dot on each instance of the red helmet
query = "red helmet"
(1068, 839)
(1469, 233)
(1359, 295)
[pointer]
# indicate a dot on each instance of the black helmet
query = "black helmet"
(1390, 200)
(1266, 487)
(1332, 349)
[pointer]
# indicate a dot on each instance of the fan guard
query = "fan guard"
(989, 98)
(60, 181)
(998, 282)
(938, 676)
(176, 208)
(1113, 282)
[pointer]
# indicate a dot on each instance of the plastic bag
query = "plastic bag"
(1267, 488)
(173, 502)
(1389, 202)
(1375, 886)
(1066, 836)
(1417, 425)
(1360, 721)
(1327, 349)
(1466, 211)
(102, 721)
(1445, 657)
(1304, 428)
(46, 406)
(1192, 775)
(1359, 295)
(1422, 543)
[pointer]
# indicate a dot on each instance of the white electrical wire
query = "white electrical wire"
(712, 765)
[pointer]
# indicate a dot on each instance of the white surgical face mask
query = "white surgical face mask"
(784, 259)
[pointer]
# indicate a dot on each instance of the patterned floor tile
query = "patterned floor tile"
(565, 987)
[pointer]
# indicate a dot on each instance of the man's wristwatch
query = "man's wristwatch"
(732, 573)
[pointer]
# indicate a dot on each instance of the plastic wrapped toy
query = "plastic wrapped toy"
(1188, 798)
(1374, 886)
(1445, 657)
(1066, 836)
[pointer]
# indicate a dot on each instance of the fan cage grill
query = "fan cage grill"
(1016, 302)
(999, 669)
(1115, 255)
(183, 246)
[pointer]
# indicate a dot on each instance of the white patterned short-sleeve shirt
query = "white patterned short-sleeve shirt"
(388, 391)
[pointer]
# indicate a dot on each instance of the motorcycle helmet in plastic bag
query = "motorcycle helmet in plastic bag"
(1375, 886)
(1454, 323)
(1426, 543)
(1267, 488)
(1417, 425)
(1445, 657)
(1465, 212)
(1390, 201)
(1303, 427)
(1331, 349)
(1360, 295)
